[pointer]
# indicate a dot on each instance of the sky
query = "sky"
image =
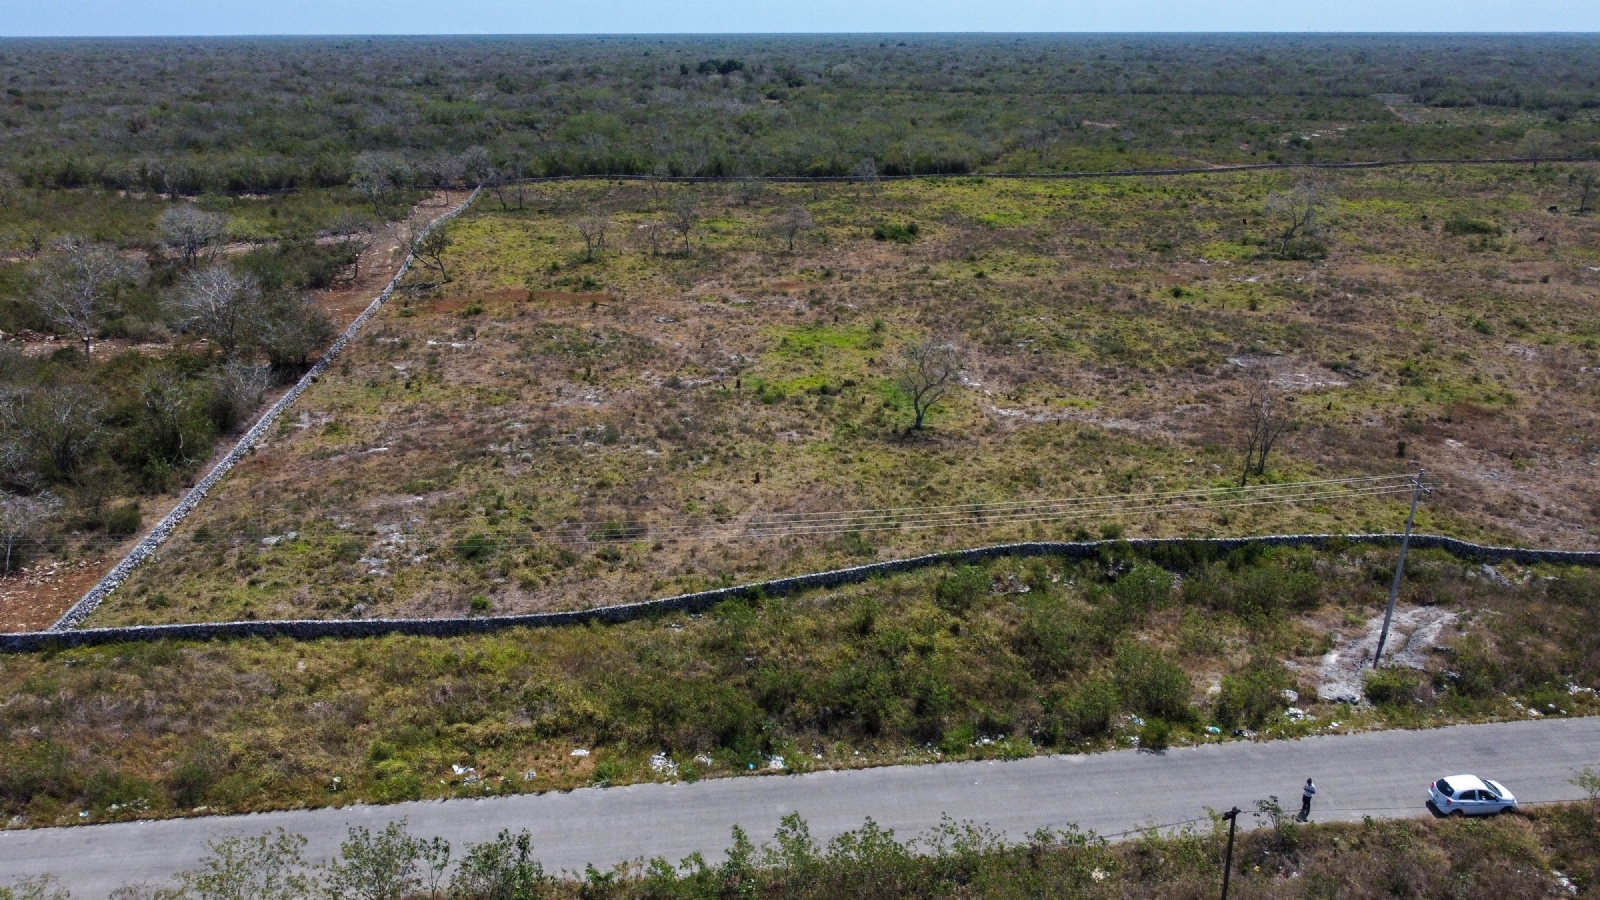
(24, 18)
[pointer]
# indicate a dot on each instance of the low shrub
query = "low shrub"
(1398, 687)
(960, 589)
(1253, 695)
(900, 233)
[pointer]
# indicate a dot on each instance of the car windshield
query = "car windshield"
(1489, 793)
(1446, 789)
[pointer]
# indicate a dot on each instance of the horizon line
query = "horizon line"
(794, 34)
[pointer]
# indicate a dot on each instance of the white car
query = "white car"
(1469, 795)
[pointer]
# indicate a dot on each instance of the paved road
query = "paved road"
(1383, 774)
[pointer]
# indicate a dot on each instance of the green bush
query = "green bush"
(1155, 736)
(1461, 225)
(475, 547)
(899, 233)
(1146, 588)
(960, 589)
(1397, 687)
(1090, 709)
(38, 769)
(1253, 695)
(124, 520)
(1151, 684)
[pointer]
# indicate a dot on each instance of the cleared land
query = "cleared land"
(534, 433)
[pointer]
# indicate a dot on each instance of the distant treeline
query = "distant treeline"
(260, 115)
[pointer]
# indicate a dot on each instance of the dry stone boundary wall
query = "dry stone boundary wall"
(311, 629)
(163, 529)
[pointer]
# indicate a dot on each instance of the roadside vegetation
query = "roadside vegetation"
(1000, 661)
(1547, 851)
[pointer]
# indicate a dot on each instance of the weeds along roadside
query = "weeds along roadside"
(1004, 660)
(1548, 851)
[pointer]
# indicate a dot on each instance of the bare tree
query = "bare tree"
(16, 457)
(191, 231)
(685, 216)
(220, 304)
(239, 387)
(1536, 145)
(649, 234)
(867, 173)
(928, 371)
(21, 518)
(506, 181)
(293, 329)
(476, 166)
(8, 189)
(1265, 420)
(376, 176)
(790, 224)
(750, 188)
(1584, 181)
(593, 225)
(78, 287)
(357, 234)
(426, 245)
(1297, 212)
(50, 432)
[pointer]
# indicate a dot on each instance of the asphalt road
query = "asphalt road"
(1382, 774)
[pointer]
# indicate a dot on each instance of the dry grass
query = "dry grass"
(537, 401)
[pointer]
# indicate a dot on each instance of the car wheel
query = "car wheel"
(1457, 814)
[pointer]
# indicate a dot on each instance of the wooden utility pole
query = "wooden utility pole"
(1232, 816)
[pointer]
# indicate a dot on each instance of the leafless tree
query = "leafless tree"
(240, 386)
(593, 225)
(426, 245)
(476, 166)
(8, 189)
(78, 287)
(506, 182)
(294, 328)
(868, 173)
(16, 458)
(21, 517)
(791, 223)
(1536, 145)
(1584, 181)
(50, 432)
(685, 216)
(442, 170)
(1298, 212)
(376, 176)
(750, 188)
(929, 370)
(649, 234)
(1265, 420)
(221, 304)
(191, 231)
(358, 234)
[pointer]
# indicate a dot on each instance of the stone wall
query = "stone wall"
(311, 629)
(158, 535)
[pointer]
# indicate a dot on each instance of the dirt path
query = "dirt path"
(35, 597)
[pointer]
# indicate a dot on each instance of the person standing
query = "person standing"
(1305, 800)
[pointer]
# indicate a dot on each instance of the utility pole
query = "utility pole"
(1232, 816)
(1417, 490)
